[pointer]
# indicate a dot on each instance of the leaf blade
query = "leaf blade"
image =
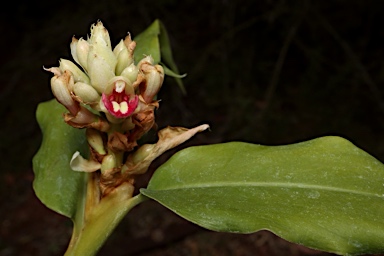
(147, 43)
(55, 184)
(309, 193)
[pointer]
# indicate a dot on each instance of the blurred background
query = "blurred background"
(266, 72)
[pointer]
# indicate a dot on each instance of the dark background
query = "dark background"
(268, 72)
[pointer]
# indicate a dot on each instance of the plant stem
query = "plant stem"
(102, 220)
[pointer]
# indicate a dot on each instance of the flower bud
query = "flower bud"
(154, 76)
(101, 61)
(100, 36)
(122, 61)
(78, 75)
(130, 73)
(108, 163)
(73, 47)
(101, 44)
(84, 117)
(99, 70)
(141, 153)
(86, 93)
(124, 54)
(146, 60)
(95, 141)
(59, 86)
(79, 51)
(127, 125)
(119, 47)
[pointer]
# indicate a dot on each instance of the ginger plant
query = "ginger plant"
(324, 193)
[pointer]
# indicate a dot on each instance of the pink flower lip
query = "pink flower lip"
(120, 104)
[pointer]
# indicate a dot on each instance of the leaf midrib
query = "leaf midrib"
(269, 184)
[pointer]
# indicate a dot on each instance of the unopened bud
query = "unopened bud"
(95, 141)
(78, 75)
(108, 163)
(100, 71)
(123, 61)
(154, 76)
(142, 152)
(86, 93)
(100, 35)
(127, 125)
(84, 116)
(146, 60)
(80, 49)
(130, 73)
(59, 86)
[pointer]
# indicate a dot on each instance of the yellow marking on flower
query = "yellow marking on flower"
(124, 107)
(116, 106)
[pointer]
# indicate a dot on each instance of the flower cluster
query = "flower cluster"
(109, 81)
(114, 99)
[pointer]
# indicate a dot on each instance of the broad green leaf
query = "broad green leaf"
(147, 43)
(55, 184)
(154, 41)
(325, 193)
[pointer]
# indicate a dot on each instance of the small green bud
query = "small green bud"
(130, 73)
(142, 152)
(86, 93)
(95, 141)
(79, 51)
(78, 75)
(124, 54)
(108, 163)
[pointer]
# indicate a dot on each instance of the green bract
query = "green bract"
(325, 193)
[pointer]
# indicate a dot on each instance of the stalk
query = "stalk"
(102, 221)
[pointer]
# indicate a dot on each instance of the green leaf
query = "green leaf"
(147, 43)
(55, 184)
(325, 193)
(154, 41)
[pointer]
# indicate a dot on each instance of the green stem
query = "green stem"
(102, 221)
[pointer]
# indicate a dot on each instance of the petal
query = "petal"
(120, 109)
(79, 164)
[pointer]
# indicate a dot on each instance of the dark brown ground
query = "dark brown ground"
(269, 73)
